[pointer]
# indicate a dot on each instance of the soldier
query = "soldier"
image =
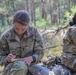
(67, 65)
(69, 47)
(21, 46)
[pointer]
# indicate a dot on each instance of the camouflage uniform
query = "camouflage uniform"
(30, 45)
(55, 66)
(69, 49)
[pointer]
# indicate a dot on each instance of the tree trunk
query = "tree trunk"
(43, 3)
(33, 13)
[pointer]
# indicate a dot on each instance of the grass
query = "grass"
(54, 51)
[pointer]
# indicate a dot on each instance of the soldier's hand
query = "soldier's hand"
(28, 60)
(10, 57)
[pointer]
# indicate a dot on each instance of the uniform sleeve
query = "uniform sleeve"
(3, 50)
(70, 36)
(73, 35)
(38, 46)
(66, 37)
(67, 41)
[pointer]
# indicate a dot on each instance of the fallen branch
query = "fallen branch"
(52, 47)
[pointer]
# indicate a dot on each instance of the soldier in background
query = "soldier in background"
(69, 46)
(21, 46)
(66, 63)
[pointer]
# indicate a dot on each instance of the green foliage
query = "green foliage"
(69, 15)
(19, 1)
(9, 7)
(62, 2)
(38, 14)
(42, 23)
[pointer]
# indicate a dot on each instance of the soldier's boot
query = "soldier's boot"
(18, 68)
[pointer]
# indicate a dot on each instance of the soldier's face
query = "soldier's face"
(20, 29)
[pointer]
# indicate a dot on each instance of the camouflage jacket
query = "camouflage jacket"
(69, 48)
(30, 45)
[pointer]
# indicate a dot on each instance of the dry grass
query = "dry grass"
(1, 68)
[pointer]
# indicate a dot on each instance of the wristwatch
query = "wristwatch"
(34, 59)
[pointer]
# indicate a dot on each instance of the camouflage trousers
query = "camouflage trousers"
(15, 68)
(20, 68)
